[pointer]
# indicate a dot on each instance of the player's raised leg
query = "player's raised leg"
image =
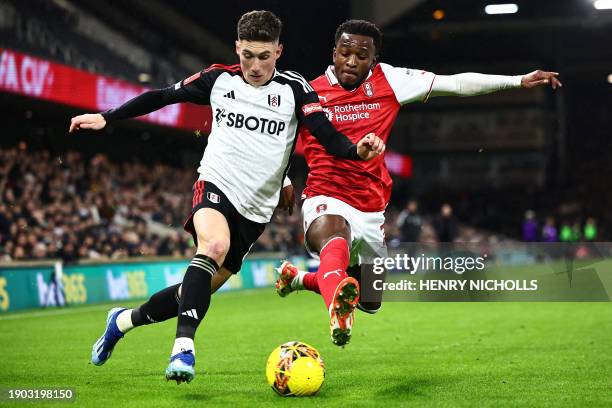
(213, 238)
(162, 306)
(104, 346)
(292, 279)
(329, 235)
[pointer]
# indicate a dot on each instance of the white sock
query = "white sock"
(124, 321)
(182, 344)
(298, 281)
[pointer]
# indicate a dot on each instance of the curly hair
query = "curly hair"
(360, 27)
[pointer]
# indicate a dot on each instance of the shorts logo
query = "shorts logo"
(368, 89)
(321, 208)
(213, 198)
(274, 100)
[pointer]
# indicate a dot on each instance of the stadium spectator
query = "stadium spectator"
(445, 224)
(566, 233)
(590, 230)
(549, 231)
(410, 222)
(530, 227)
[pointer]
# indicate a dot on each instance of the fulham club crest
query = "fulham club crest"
(368, 89)
(274, 100)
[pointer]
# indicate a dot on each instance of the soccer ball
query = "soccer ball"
(295, 368)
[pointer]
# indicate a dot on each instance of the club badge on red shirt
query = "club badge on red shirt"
(368, 89)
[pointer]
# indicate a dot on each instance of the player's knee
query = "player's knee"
(215, 248)
(338, 237)
(369, 307)
(326, 228)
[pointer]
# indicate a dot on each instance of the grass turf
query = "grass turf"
(409, 354)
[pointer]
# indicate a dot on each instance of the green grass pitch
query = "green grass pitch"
(409, 354)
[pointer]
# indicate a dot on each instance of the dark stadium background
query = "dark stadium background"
(93, 220)
(492, 158)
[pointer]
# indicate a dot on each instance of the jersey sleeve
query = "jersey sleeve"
(195, 89)
(409, 85)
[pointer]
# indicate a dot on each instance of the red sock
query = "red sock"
(310, 282)
(332, 269)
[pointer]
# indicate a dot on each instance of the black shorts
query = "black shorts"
(243, 232)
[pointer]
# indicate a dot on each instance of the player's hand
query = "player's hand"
(370, 146)
(93, 121)
(287, 199)
(537, 78)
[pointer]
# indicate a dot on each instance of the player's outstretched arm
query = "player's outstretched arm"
(141, 105)
(471, 83)
(93, 121)
(539, 78)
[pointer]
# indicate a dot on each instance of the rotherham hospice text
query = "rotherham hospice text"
(412, 264)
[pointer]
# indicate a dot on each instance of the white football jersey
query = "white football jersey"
(253, 133)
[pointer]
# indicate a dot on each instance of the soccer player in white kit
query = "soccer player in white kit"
(256, 113)
(345, 201)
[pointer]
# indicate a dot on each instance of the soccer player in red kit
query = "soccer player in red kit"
(344, 202)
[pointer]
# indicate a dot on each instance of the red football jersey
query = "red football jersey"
(372, 107)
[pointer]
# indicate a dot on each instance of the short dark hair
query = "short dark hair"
(361, 27)
(259, 25)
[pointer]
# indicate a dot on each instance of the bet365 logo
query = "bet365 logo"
(137, 284)
(4, 296)
(74, 288)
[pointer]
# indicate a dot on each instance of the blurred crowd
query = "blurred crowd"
(550, 230)
(72, 208)
(62, 206)
(411, 225)
(69, 207)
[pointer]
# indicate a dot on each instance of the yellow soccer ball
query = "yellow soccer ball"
(295, 368)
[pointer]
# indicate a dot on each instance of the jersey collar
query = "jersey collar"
(271, 78)
(331, 76)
